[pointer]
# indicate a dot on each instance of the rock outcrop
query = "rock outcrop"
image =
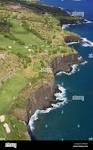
(72, 21)
(42, 94)
(41, 97)
(72, 38)
(64, 62)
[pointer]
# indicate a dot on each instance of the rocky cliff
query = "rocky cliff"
(64, 62)
(76, 20)
(42, 96)
(72, 38)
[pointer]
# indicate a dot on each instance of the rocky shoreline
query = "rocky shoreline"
(43, 96)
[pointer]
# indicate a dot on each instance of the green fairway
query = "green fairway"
(10, 90)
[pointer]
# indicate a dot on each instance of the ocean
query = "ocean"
(73, 118)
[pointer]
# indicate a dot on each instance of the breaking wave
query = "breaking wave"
(88, 21)
(85, 62)
(74, 69)
(65, 26)
(59, 96)
(86, 42)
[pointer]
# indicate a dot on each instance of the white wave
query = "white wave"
(88, 21)
(61, 88)
(74, 69)
(59, 96)
(85, 62)
(61, 8)
(34, 117)
(59, 73)
(62, 97)
(59, 104)
(90, 55)
(71, 43)
(86, 42)
(64, 26)
(68, 12)
(80, 58)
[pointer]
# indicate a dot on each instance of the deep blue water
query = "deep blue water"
(76, 121)
(82, 5)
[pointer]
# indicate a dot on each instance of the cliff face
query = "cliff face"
(41, 97)
(72, 38)
(64, 62)
(72, 21)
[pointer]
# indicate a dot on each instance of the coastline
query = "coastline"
(45, 107)
(68, 71)
(42, 94)
(57, 92)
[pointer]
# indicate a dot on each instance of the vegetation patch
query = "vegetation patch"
(29, 38)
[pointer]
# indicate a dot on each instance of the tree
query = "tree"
(4, 22)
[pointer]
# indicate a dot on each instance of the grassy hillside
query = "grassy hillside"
(28, 38)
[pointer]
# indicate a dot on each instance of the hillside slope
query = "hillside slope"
(30, 37)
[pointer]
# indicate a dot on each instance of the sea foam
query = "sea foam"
(85, 62)
(88, 21)
(59, 96)
(86, 42)
(65, 26)
(74, 69)
(34, 117)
